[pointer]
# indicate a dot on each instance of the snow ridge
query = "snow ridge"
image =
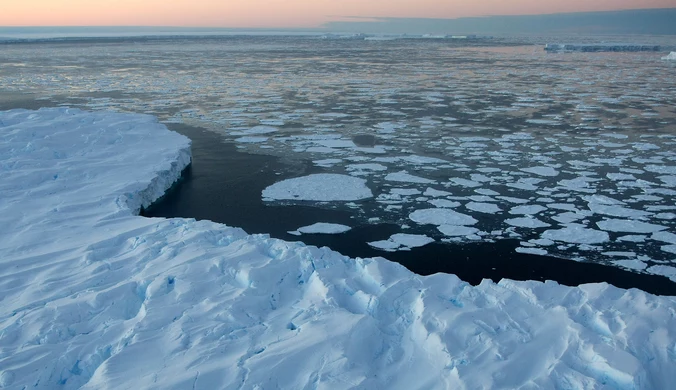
(95, 297)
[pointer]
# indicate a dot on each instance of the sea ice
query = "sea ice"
(322, 187)
(532, 251)
(488, 208)
(576, 234)
(405, 177)
(527, 222)
(445, 203)
(527, 210)
(542, 171)
(629, 226)
(441, 217)
(667, 237)
(324, 228)
(113, 300)
(401, 241)
(457, 231)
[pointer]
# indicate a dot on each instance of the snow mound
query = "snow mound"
(113, 300)
(322, 187)
(670, 57)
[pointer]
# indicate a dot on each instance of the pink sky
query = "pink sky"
(278, 13)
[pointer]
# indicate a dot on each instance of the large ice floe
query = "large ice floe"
(94, 296)
(670, 57)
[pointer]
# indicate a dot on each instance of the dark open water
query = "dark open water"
(224, 185)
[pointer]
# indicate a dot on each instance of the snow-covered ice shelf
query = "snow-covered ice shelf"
(96, 297)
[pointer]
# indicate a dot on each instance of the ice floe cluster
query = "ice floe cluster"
(96, 297)
(548, 153)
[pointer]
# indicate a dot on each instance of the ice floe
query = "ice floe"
(629, 226)
(324, 228)
(321, 187)
(576, 234)
(441, 217)
(402, 241)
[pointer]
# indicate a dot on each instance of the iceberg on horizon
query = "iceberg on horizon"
(670, 57)
(599, 47)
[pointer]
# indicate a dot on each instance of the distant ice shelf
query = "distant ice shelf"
(94, 296)
(600, 47)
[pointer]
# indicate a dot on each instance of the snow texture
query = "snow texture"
(112, 300)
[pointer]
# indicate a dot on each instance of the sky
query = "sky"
(280, 13)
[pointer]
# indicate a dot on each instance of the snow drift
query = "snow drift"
(96, 297)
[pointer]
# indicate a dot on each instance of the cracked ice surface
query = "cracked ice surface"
(113, 300)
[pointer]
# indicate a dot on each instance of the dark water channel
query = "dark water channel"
(224, 185)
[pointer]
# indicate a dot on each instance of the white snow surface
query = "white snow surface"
(670, 57)
(324, 228)
(112, 300)
(322, 187)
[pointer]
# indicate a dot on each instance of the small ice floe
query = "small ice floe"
(637, 265)
(664, 270)
(576, 234)
(527, 222)
(405, 177)
(531, 251)
(527, 210)
(457, 231)
(542, 171)
(669, 249)
(402, 241)
(441, 217)
(487, 208)
(445, 203)
(435, 193)
(372, 167)
(323, 187)
(465, 182)
(629, 226)
(669, 238)
(327, 163)
(322, 228)
(256, 130)
(251, 140)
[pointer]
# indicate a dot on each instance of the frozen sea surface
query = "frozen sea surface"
(552, 132)
(114, 300)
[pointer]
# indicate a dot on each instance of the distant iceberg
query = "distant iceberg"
(670, 57)
(600, 47)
